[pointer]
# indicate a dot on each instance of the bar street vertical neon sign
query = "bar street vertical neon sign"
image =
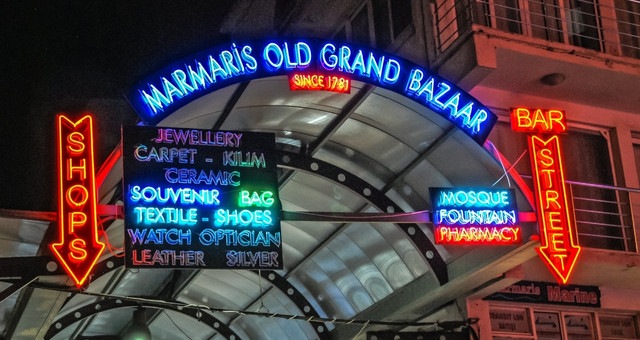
(558, 249)
(78, 247)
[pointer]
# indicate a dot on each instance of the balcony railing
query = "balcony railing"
(604, 216)
(607, 26)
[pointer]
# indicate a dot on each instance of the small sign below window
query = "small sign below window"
(510, 320)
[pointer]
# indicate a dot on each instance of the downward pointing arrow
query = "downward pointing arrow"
(560, 262)
(78, 247)
(558, 247)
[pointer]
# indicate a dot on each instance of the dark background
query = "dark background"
(77, 57)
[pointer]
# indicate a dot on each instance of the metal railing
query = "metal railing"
(604, 216)
(611, 26)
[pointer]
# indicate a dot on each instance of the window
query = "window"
(575, 22)
(596, 209)
(451, 19)
(545, 19)
(360, 27)
(628, 16)
(602, 214)
(379, 22)
(507, 14)
(511, 322)
(584, 24)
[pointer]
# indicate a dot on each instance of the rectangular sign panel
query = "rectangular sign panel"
(549, 293)
(319, 82)
(510, 320)
(475, 216)
(538, 121)
(200, 199)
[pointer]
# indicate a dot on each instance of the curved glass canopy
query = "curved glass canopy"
(332, 270)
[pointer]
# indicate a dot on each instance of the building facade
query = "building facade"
(360, 256)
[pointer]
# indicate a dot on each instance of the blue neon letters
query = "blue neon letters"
(473, 207)
(161, 94)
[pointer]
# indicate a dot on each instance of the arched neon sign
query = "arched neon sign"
(163, 92)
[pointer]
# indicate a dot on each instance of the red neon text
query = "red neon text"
(558, 247)
(78, 247)
(322, 82)
(538, 121)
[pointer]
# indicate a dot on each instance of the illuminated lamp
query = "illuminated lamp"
(138, 330)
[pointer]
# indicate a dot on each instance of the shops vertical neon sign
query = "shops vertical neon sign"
(558, 249)
(78, 247)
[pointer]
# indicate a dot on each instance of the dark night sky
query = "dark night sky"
(81, 56)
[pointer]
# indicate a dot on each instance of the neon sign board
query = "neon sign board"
(322, 82)
(78, 247)
(558, 246)
(157, 96)
(200, 199)
(538, 121)
(558, 249)
(475, 216)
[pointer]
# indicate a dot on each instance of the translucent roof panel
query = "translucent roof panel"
(170, 325)
(274, 327)
(230, 289)
(317, 193)
(391, 113)
(385, 140)
(358, 267)
(21, 237)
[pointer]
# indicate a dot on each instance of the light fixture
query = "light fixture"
(553, 79)
(138, 330)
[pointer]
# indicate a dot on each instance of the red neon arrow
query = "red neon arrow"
(558, 248)
(78, 247)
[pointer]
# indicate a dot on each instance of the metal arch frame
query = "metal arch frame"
(375, 197)
(273, 277)
(335, 174)
(296, 297)
(312, 165)
(106, 305)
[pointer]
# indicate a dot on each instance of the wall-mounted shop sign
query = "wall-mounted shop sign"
(200, 199)
(618, 326)
(78, 246)
(475, 216)
(538, 121)
(319, 82)
(549, 293)
(157, 96)
(558, 249)
(510, 320)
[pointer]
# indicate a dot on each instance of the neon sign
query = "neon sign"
(558, 246)
(78, 247)
(558, 249)
(313, 81)
(200, 199)
(157, 96)
(474, 216)
(538, 121)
